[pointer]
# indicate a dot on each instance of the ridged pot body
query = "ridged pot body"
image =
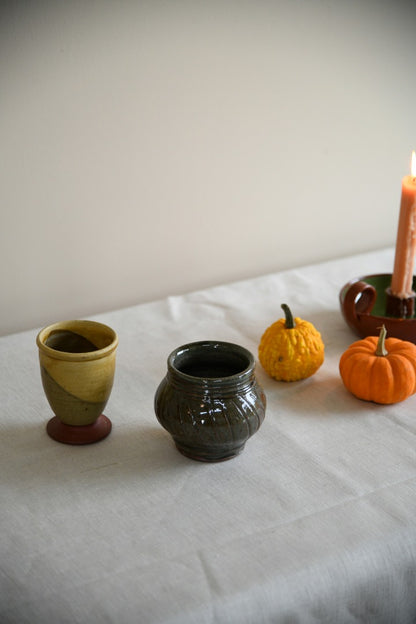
(210, 401)
(77, 363)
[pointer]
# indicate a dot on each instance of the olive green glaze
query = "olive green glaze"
(210, 401)
(363, 305)
(71, 409)
(69, 341)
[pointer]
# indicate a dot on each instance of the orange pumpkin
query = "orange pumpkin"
(379, 369)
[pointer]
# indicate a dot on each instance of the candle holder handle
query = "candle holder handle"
(359, 298)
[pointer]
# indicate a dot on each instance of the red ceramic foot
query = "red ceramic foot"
(71, 434)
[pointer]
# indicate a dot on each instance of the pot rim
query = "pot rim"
(222, 347)
(73, 325)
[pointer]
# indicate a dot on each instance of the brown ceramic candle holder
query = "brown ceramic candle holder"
(367, 304)
(77, 363)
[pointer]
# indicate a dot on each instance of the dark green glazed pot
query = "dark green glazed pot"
(210, 401)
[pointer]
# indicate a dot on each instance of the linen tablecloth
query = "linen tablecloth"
(313, 522)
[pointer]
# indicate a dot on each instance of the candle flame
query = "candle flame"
(413, 167)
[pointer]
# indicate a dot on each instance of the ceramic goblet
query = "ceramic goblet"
(77, 363)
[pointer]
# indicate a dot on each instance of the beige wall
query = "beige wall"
(152, 148)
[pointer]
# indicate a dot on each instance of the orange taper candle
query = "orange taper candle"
(402, 278)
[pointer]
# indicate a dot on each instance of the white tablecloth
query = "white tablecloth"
(314, 522)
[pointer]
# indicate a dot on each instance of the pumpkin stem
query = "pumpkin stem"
(290, 323)
(381, 347)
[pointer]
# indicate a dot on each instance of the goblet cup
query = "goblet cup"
(77, 363)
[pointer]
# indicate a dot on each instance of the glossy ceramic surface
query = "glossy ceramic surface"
(77, 363)
(210, 401)
(363, 304)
